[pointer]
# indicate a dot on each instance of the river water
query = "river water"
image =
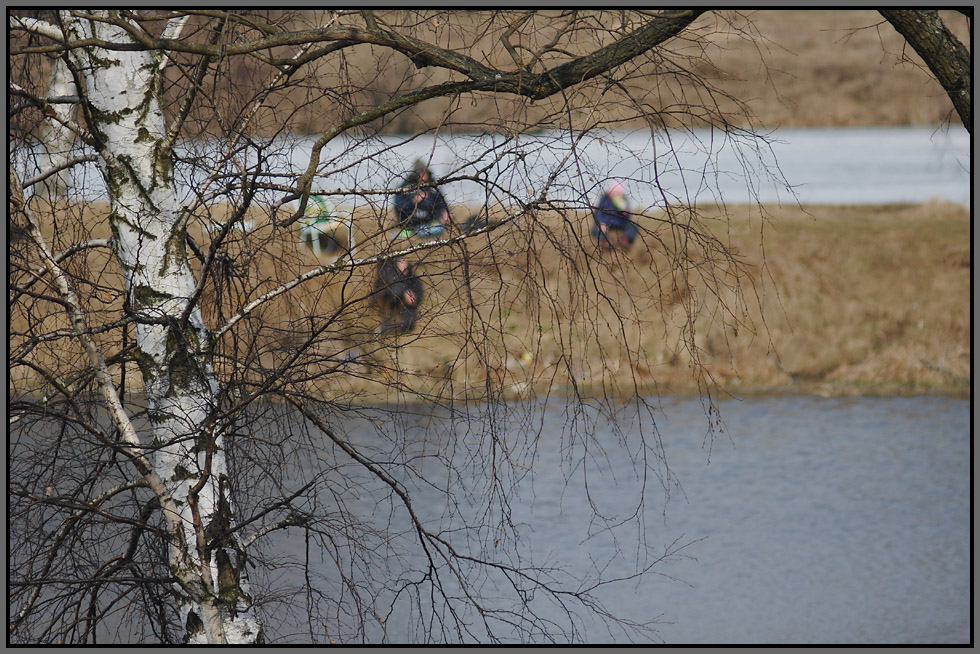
(846, 166)
(838, 166)
(823, 521)
(799, 520)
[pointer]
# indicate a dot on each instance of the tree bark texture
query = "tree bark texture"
(124, 114)
(946, 57)
(58, 138)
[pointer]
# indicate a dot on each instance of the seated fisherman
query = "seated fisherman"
(421, 209)
(613, 227)
(321, 229)
(398, 293)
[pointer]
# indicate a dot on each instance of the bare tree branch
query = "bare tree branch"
(946, 57)
(250, 392)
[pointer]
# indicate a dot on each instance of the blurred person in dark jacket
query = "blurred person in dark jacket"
(398, 293)
(421, 209)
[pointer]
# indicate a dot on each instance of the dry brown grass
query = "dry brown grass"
(792, 68)
(858, 299)
(832, 300)
(830, 67)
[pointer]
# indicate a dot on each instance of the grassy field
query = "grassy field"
(828, 300)
(790, 68)
(829, 67)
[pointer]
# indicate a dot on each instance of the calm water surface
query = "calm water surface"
(824, 521)
(803, 520)
(837, 166)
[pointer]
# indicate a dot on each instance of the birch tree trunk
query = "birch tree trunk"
(58, 138)
(122, 90)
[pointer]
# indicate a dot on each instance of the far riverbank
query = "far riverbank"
(860, 300)
(828, 300)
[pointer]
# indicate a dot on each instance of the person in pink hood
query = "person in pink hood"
(613, 227)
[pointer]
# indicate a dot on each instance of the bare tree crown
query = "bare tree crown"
(200, 402)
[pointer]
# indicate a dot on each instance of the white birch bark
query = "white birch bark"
(57, 139)
(122, 88)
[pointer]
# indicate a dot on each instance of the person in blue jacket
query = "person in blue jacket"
(421, 209)
(612, 227)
